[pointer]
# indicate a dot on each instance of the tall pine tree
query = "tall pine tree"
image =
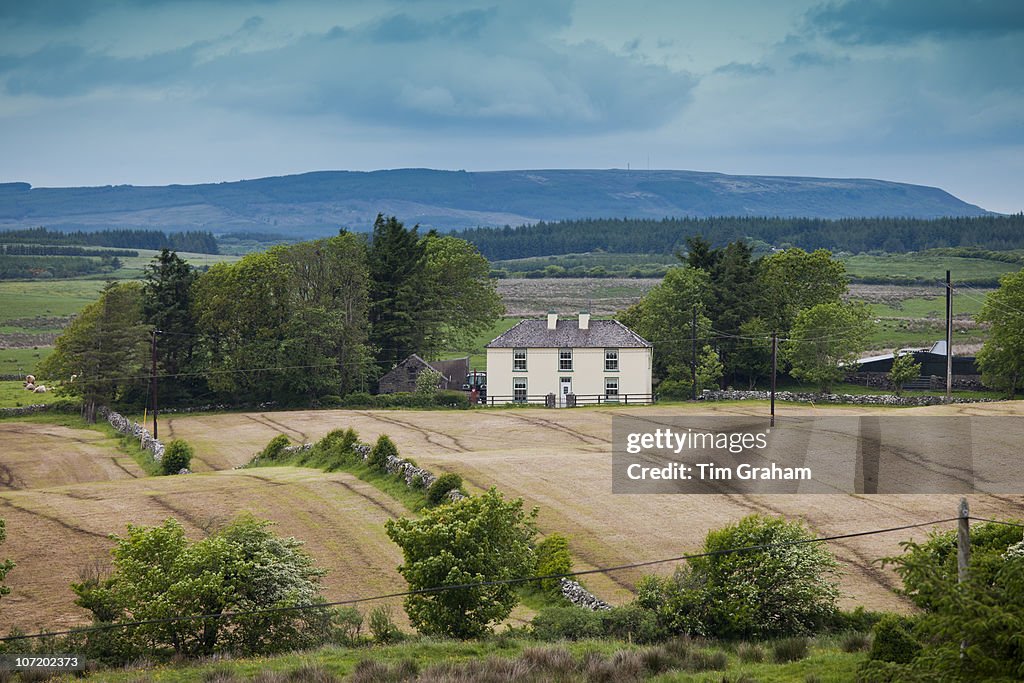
(399, 291)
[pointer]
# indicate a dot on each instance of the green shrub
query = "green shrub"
(451, 399)
(382, 625)
(566, 623)
(438, 491)
(553, 558)
(330, 401)
(750, 653)
(273, 450)
(346, 624)
(790, 649)
(358, 399)
(338, 445)
(381, 450)
(855, 641)
(859, 619)
(893, 641)
(177, 457)
(631, 623)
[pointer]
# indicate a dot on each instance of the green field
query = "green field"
(22, 361)
(13, 395)
(926, 268)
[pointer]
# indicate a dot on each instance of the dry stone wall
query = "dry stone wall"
(857, 399)
(125, 426)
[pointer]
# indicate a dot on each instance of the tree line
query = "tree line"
(36, 267)
(61, 250)
(196, 241)
(723, 305)
(638, 235)
(293, 324)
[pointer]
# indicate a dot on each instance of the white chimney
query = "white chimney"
(584, 320)
(552, 320)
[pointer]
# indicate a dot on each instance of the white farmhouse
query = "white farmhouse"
(577, 361)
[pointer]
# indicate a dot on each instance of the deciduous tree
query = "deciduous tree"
(825, 341)
(480, 539)
(794, 280)
(159, 574)
(1001, 358)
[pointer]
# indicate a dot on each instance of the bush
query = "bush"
(438, 491)
(631, 623)
(159, 574)
(177, 457)
(855, 641)
(750, 653)
(859, 619)
(358, 399)
(483, 538)
(893, 641)
(347, 624)
(329, 401)
(790, 649)
(566, 623)
(273, 450)
(451, 399)
(381, 451)
(382, 625)
(553, 558)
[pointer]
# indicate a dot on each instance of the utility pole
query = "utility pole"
(693, 352)
(775, 359)
(949, 338)
(963, 551)
(963, 541)
(156, 411)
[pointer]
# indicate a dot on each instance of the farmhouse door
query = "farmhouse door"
(565, 388)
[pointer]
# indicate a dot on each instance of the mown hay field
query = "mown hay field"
(557, 460)
(560, 461)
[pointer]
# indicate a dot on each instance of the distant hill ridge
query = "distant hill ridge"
(318, 203)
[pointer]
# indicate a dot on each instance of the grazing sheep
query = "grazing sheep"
(41, 389)
(30, 387)
(30, 379)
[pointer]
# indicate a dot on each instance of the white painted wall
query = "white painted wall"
(588, 373)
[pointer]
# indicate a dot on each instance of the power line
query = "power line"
(475, 584)
(997, 521)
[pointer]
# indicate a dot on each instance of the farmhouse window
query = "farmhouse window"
(519, 360)
(611, 360)
(519, 389)
(565, 360)
(611, 388)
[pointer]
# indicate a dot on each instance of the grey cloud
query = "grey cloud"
(743, 69)
(901, 21)
(402, 28)
(486, 70)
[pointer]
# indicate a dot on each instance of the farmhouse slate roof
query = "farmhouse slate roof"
(567, 334)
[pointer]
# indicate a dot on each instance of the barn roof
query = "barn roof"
(567, 334)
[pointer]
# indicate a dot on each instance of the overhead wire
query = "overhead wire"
(470, 585)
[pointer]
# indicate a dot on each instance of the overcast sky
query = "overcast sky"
(96, 92)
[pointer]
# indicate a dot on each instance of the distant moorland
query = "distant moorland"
(315, 204)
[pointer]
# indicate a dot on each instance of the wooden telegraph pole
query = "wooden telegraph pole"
(693, 352)
(775, 358)
(949, 338)
(156, 410)
(963, 541)
(963, 551)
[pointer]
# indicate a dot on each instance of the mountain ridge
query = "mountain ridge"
(318, 202)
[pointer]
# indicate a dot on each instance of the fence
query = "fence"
(570, 400)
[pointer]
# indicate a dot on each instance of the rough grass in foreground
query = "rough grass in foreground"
(510, 658)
